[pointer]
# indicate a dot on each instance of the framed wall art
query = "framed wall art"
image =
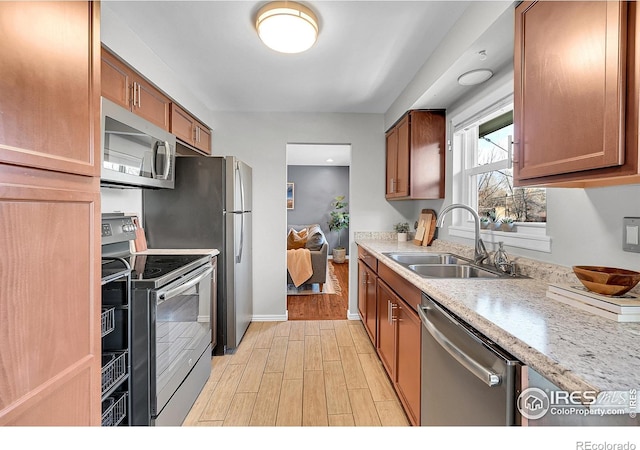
(290, 197)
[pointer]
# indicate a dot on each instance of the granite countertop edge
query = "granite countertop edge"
(553, 345)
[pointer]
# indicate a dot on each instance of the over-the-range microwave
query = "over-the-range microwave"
(135, 152)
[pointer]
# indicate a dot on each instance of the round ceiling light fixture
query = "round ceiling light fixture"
(287, 27)
(474, 77)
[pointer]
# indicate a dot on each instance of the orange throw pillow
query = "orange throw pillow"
(297, 239)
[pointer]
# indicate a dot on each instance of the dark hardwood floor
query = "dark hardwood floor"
(322, 306)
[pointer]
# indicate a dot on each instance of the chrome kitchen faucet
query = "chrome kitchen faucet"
(480, 252)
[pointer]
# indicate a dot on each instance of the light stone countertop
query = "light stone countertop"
(575, 350)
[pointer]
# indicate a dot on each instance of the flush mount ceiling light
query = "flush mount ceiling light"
(287, 27)
(474, 77)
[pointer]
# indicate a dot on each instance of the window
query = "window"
(483, 179)
(491, 171)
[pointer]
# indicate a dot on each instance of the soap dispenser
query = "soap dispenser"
(501, 260)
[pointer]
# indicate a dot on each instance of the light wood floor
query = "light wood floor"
(299, 373)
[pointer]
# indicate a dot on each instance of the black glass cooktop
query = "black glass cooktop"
(151, 267)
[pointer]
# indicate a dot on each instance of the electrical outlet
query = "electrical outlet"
(631, 234)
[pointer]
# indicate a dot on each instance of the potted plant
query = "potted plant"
(484, 222)
(338, 222)
(402, 228)
(506, 224)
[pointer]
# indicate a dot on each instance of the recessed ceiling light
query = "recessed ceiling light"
(287, 27)
(474, 77)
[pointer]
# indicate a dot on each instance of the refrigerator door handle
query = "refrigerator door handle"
(239, 172)
(239, 256)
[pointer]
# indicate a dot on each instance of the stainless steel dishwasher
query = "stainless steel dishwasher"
(466, 378)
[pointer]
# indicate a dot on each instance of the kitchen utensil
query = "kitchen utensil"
(607, 280)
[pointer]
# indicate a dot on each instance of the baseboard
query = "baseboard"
(270, 318)
(331, 257)
(353, 316)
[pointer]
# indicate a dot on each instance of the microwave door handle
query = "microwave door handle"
(153, 159)
(166, 295)
(167, 165)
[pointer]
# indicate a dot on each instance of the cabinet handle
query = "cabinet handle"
(390, 308)
(198, 128)
(364, 278)
(133, 94)
(513, 155)
(392, 186)
(195, 134)
(139, 97)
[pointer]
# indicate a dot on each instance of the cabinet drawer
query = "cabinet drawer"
(405, 290)
(368, 259)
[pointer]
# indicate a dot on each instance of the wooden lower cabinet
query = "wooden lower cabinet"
(367, 299)
(387, 333)
(408, 353)
(399, 348)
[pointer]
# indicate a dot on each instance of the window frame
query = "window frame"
(528, 235)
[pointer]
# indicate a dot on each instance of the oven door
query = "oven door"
(180, 332)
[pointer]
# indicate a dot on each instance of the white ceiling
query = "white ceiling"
(367, 53)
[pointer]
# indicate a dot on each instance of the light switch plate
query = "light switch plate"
(631, 234)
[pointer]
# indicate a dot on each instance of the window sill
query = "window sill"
(518, 239)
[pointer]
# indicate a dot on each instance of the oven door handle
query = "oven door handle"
(166, 295)
(489, 377)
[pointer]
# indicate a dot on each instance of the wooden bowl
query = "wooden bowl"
(607, 280)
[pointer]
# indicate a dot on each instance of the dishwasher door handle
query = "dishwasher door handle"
(489, 377)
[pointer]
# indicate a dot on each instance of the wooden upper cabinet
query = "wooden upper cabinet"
(416, 156)
(189, 130)
(575, 94)
(49, 85)
(124, 86)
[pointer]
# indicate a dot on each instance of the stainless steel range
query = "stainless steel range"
(170, 326)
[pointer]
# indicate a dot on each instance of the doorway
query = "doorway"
(317, 182)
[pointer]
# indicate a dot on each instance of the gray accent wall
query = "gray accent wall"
(315, 188)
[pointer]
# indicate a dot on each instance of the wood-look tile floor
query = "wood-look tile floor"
(299, 373)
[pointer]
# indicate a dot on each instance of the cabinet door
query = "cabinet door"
(116, 80)
(403, 158)
(182, 124)
(569, 96)
(49, 85)
(392, 162)
(427, 160)
(203, 139)
(362, 292)
(49, 298)
(387, 340)
(408, 365)
(150, 103)
(371, 305)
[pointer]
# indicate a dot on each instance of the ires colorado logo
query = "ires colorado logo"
(535, 403)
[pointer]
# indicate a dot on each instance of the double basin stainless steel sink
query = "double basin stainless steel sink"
(444, 265)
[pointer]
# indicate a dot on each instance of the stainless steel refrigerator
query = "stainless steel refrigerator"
(210, 207)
